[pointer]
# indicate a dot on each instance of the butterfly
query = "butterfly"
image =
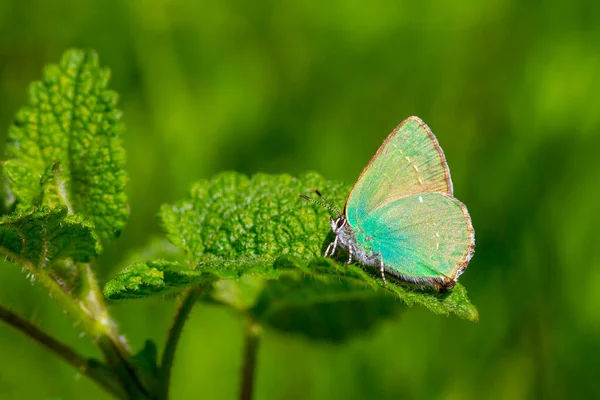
(401, 216)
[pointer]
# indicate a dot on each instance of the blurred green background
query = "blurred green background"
(510, 89)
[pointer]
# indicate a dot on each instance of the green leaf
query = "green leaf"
(64, 148)
(322, 309)
(152, 278)
(334, 301)
(46, 240)
(454, 301)
(146, 361)
(147, 358)
(160, 277)
(231, 216)
(255, 246)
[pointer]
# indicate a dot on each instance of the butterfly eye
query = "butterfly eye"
(339, 223)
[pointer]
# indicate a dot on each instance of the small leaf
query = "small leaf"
(147, 358)
(160, 277)
(64, 149)
(146, 361)
(152, 278)
(46, 240)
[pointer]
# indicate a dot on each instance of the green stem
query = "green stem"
(251, 341)
(96, 372)
(93, 317)
(171, 345)
(78, 311)
(93, 302)
(122, 368)
(111, 343)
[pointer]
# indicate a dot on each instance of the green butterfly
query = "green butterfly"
(401, 216)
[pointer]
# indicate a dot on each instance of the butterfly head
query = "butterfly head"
(337, 224)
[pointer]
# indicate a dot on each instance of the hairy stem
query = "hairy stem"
(111, 343)
(92, 316)
(251, 341)
(171, 345)
(78, 310)
(95, 371)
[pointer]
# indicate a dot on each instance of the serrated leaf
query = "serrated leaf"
(334, 301)
(454, 301)
(64, 148)
(151, 278)
(160, 277)
(256, 247)
(320, 299)
(232, 216)
(322, 309)
(42, 238)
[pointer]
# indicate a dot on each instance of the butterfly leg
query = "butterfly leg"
(382, 269)
(332, 246)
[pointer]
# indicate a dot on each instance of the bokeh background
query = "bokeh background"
(510, 88)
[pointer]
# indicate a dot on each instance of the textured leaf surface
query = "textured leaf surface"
(232, 216)
(64, 148)
(41, 238)
(256, 246)
(146, 279)
(161, 277)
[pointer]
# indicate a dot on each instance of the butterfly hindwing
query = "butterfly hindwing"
(409, 161)
(421, 237)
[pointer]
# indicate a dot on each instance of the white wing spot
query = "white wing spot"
(420, 181)
(437, 246)
(437, 234)
(415, 167)
(420, 199)
(408, 159)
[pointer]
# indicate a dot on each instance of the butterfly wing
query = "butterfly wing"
(409, 161)
(423, 238)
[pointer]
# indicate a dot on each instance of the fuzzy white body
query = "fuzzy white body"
(346, 239)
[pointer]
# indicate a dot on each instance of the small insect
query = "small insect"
(401, 215)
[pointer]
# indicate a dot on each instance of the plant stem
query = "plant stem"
(93, 317)
(253, 332)
(79, 311)
(98, 373)
(111, 343)
(171, 345)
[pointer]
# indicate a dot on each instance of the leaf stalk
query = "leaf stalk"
(166, 365)
(251, 342)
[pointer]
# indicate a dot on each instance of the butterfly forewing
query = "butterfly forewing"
(422, 237)
(409, 161)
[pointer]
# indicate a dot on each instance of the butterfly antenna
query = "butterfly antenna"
(325, 203)
(330, 203)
